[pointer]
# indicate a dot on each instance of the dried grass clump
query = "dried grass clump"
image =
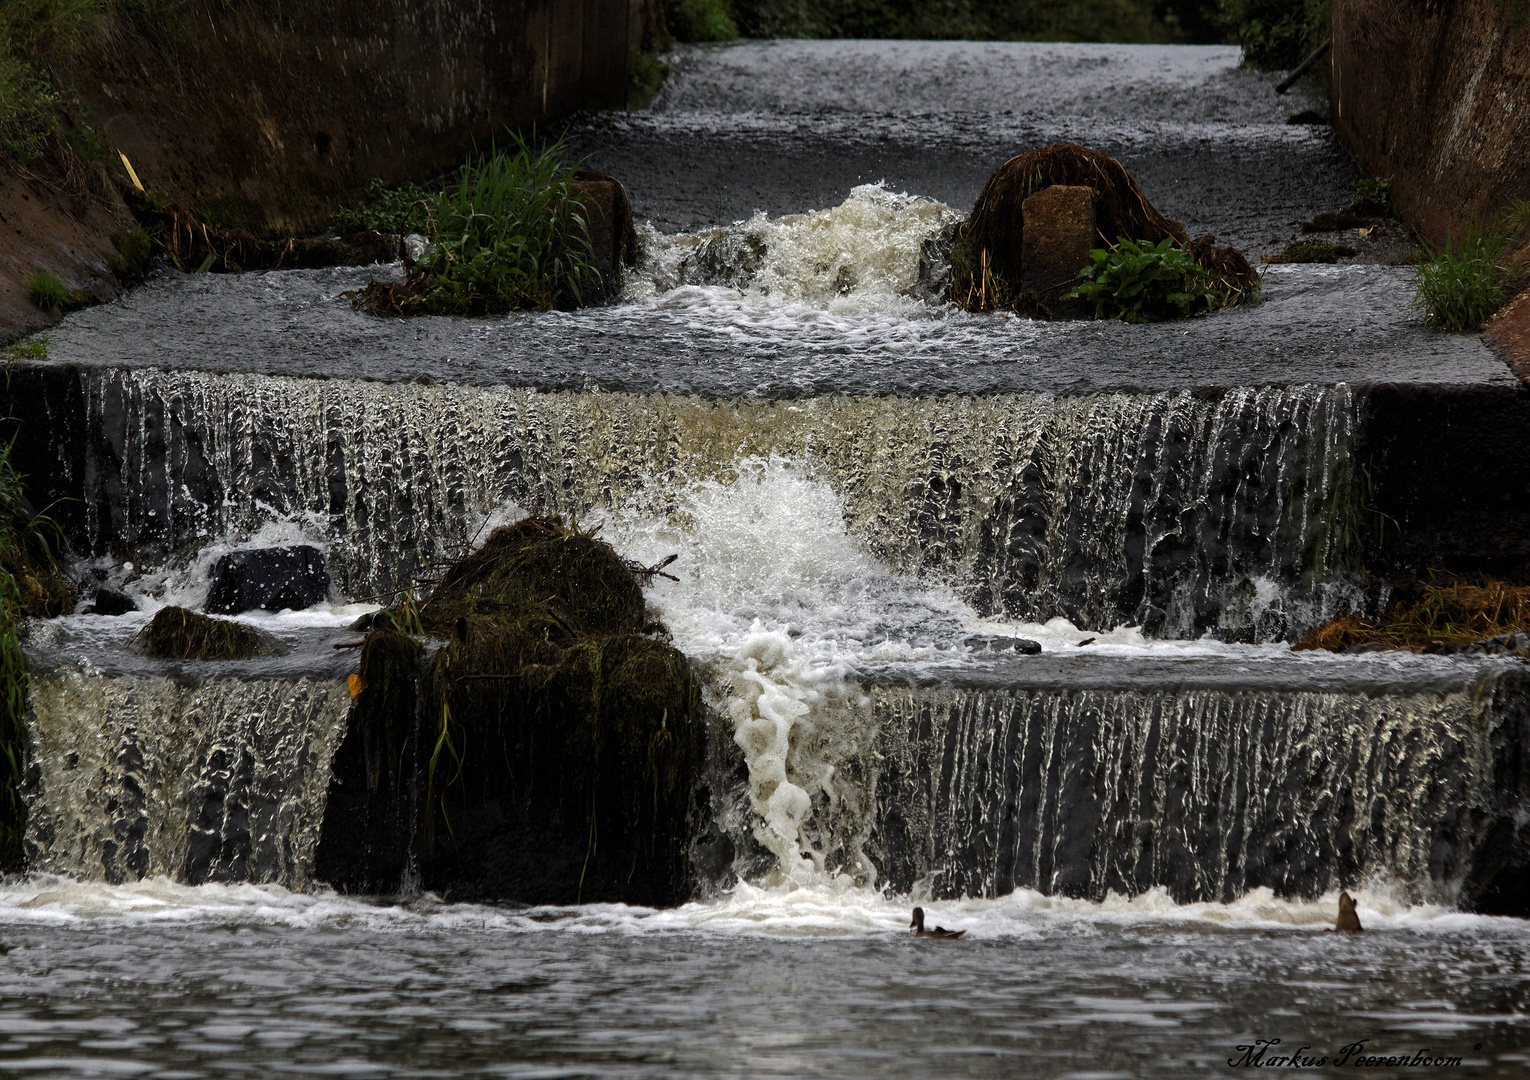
(178, 634)
(558, 737)
(985, 260)
(1439, 612)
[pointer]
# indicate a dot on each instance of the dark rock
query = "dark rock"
(1365, 647)
(1515, 644)
(613, 236)
(111, 602)
(1307, 116)
(269, 579)
(1450, 648)
(363, 623)
(996, 643)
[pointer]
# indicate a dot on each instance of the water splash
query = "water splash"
(1183, 513)
(869, 254)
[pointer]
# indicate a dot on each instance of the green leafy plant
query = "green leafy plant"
(700, 20)
(1141, 282)
(27, 109)
(1461, 284)
(1278, 34)
(393, 211)
(510, 234)
(1372, 196)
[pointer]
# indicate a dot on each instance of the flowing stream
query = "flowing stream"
(871, 499)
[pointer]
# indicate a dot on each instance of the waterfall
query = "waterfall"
(222, 779)
(1183, 512)
(953, 790)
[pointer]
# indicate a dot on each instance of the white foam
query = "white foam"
(828, 909)
(857, 258)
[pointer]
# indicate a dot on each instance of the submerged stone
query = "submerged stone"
(268, 579)
(546, 753)
(111, 602)
(178, 634)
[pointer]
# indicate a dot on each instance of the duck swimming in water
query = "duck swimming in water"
(1348, 921)
(935, 932)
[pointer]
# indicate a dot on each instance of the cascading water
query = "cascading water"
(821, 539)
(1184, 513)
(217, 772)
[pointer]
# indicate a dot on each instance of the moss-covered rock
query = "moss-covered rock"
(556, 739)
(178, 634)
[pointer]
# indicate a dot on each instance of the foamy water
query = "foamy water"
(828, 909)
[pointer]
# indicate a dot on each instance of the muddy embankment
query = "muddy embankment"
(267, 117)
(1437, 96)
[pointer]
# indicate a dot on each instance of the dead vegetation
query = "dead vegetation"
(986, 258)
(1442, 611)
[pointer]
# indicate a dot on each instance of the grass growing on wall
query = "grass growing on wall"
(1462, 283)
(37, 39)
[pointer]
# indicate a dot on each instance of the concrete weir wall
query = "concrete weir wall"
(268, 116)
(272, 113)
(1436, 95)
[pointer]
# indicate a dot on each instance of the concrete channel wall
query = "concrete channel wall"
(268, 116)
(1437, 96)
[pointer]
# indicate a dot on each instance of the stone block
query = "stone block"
(270, 579)
(1058, 233)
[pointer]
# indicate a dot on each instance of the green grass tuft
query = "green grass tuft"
(48, 293)
(134, 250)
(1141, 282)
(1312, 251)
(1461, 284)
(36, 349)
(510, 234)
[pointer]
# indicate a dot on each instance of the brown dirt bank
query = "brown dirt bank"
(266, 118)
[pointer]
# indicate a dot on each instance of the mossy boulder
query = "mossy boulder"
(555, 737)
(178, 634)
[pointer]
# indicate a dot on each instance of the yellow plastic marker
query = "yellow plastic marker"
(131, 174)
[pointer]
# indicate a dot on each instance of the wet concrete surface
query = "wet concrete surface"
(789, 126)
(1317, 324)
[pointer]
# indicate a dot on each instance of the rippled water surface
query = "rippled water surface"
(161, 980)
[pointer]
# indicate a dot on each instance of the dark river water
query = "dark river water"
(157, 980)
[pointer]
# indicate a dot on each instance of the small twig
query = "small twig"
(350, 645)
